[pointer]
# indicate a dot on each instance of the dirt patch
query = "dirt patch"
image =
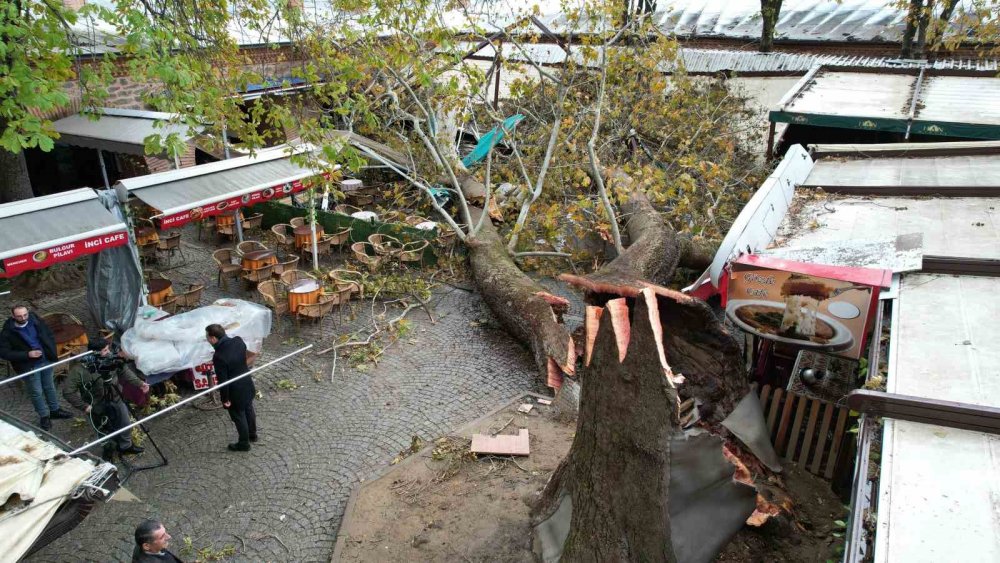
(440, 504)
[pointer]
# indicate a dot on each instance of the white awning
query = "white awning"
(211, 189)
(119, 130)
(38, 232)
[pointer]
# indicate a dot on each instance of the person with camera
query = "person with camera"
(92, 386)
(28, 344)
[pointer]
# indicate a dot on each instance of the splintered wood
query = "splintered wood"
(505, 444)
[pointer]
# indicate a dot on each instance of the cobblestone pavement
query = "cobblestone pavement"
(284, 500)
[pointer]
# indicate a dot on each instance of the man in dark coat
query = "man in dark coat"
(230, 360)
(27, 343)
(151, 542)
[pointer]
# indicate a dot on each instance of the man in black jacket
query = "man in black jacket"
(27, 343)
(151, 542)
(230, 360)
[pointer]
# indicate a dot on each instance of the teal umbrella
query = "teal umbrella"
(490, 140)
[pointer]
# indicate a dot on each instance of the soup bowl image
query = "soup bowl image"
(764, 318)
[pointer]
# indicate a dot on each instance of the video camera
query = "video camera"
(106, 366)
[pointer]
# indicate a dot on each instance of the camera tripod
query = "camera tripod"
(133, 469)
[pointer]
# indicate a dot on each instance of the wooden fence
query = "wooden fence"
(806, 431)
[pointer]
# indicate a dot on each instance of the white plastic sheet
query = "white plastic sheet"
(166, 345)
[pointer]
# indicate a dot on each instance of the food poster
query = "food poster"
(822, 308)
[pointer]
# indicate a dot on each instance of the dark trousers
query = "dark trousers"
(245, 420)
(109, 416)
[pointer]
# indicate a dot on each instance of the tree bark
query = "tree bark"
(770, 10)
(14, 181)
(910, 32)
(617, 471)
(526, 309)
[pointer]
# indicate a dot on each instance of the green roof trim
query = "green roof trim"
(839, 121)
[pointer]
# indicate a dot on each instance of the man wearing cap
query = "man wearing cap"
(28, 344)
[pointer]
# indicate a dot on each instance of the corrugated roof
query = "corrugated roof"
(118, 130)
(938, 172)
(41, 222)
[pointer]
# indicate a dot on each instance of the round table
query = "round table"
(259, 258)
(303, 235)
(365, 215)
(144, 235)
(426, 226)
(68, 337)
(159, 291)
(302, 292)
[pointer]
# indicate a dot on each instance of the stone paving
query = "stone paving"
(284, 500)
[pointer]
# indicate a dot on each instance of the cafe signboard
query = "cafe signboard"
(231, 204)
(812, 306)
(61, 252)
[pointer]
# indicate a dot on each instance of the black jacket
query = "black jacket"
(230, 360)
(140, 556)
(15, 350)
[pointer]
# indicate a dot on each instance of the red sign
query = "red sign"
(202, 372)
(10, 267)
(228, 205)
(810, 306)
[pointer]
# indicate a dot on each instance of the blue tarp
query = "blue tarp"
(490, 140)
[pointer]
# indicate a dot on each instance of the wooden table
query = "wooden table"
(258, 258)
(303, 235)
(303, 292)
(144, 235)
(159, 291)
(227, 219)
(69, 337)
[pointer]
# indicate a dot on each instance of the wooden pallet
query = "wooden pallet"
(805, 431)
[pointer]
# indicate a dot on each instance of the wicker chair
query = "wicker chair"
(169, 305)
(274, 295)
(206, 224)
(170, 245)
(316, 311)
(345, 209)
(292, 276)
(254, 224)
(227, 269)
(147, 252)
(249, 246)
(414, 220)
(190, 298)
(297, 222)
(349, 279)
(385, 245)
(413, 251)
(283, 236)
(324, 245)
(372, 261)
(340, 237)
(255, 276)
(281, 267)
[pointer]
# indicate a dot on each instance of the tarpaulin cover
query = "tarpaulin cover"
(166, 344)
(114, 278)
(40, 483)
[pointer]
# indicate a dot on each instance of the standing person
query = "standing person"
(27, 343)
(230, 360)
(92, 386)
(151, 542)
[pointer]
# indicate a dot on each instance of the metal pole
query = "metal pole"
(239, 225)
(4, 293)
(312, 217)
(45, 367)
(225, 142)
(104, 170)
(128, 428)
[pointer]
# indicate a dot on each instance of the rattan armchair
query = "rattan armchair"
(254, 224)
(292, 276)
(340, 237)
(227, 269)
(274, 295)
(283, 236)
(249, 246)
(257, 275)
(385, 245)
(297, 222)
(345, 209)
(371, 261)
(413, 252)
(288, 265)
(170, 244)
(348, 279)
(169, 305)
(316, 311)
(191, 297)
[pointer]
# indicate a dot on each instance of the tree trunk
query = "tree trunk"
(770, 10)
(912, 19)
(14, 181)
(525, 308)
(617, 471)
(924, 22)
